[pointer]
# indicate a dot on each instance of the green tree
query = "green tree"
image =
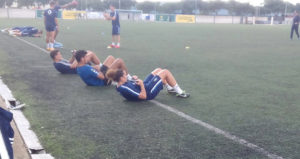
(146, 7)
(7, 2)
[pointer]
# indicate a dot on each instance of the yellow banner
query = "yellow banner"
(69, 14)
(185, 19)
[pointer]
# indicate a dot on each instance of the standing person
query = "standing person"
(295, 25)
(50, 20)
(137, 90)
(57, 8)
(115, 21)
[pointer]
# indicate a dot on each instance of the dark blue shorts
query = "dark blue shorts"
(116, 30)
(50, 28)
(153, 87)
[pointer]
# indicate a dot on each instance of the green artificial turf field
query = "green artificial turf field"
(243, 79)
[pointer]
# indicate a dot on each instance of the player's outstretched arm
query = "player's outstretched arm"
(73, 3)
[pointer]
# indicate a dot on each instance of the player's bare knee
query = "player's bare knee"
(166, 71)
(156, 71)
(119, 60)
(111, 57)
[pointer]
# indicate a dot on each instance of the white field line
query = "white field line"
(33, 45)
(217, 130)
(199, 122)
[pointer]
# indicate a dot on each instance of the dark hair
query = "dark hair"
(54, 53)
(80, 54)
(114, 74)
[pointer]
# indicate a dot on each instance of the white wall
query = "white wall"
(17, 13)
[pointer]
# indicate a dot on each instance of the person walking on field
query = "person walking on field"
(295, 25)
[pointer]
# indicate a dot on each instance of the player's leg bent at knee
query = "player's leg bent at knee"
(91, 57)
(156, 71)
(119, 64)
(109, 60)
(170, 81)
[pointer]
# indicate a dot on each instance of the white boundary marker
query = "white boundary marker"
(197, 121)
(30, 139)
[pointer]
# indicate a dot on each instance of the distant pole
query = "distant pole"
(7, 9)
(196, 7)
(285, 10)
(86, 8)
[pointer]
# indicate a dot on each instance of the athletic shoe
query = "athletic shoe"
(48, 49)
(183, 95)
(51, 49)
(57, 45)
(117, 46)
(171, 91)
(111, 46)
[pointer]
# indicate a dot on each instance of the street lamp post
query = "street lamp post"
(196, 7)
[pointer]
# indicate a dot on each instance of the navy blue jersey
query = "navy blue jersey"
(115, 22)
(7, 132)
(57, 8)
(131, 91)
(30, 31)
(50, 15)
(90, 76)
(64, 67)
(17, 28)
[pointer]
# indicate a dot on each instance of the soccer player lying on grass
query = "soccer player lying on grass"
(69, 66)
(148, 89)
(24, 31)
(96, 76)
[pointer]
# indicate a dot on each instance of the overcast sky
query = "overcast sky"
(253, 2)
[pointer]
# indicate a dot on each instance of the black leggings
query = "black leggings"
(295, 27)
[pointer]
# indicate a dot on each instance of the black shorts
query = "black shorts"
(104, 69)
(50, 28)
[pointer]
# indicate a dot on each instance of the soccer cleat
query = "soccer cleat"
(117, 46)
(171, 91)
(111, 46)
(183, 95)
(51, 49)
(48, 49)
(58, 45)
